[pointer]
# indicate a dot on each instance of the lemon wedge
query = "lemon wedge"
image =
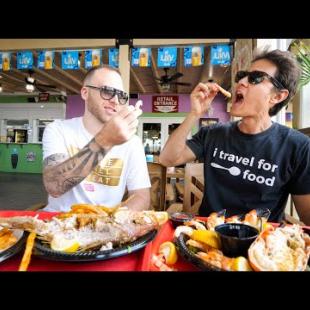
(162, 217)
(168, 250)
(64, 245)
(208, 237)
(241, 264)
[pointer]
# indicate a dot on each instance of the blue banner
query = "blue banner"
(93, 58)
(220, 55)
(141, 57)
(70, 60)
(46, 59)
(24, 60)
(193, 56)
(5, 61)
(113, 57)
(167, 57)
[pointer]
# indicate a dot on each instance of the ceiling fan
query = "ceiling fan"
(32, 84)
(170, 79)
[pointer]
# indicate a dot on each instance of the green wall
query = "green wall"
(32, 164)
(22, 99)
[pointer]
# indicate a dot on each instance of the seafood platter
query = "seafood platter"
(281, 247)
(86, 232)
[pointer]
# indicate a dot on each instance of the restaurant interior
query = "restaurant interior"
(31, 98)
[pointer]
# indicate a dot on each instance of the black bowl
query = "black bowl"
(179, 218)
(236, 238)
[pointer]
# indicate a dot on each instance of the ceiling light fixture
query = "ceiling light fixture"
(30, 80)
(30, 88)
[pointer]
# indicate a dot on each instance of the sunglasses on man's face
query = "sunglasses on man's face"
(256, 77)
(107, 93)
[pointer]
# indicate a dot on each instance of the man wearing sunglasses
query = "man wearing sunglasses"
(95, 158)
(254, 162)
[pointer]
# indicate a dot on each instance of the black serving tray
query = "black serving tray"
(43, 250)
(15, 248)
(189, 256)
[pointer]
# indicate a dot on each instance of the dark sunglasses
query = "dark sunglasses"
(256, 77)
(108, 93)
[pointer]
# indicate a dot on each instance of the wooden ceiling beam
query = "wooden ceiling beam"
(163, 42)
(155, 72)
(7, 86)
(13, 78)
(49, 77)
(137, 81)
(56, 80)
(60, 44)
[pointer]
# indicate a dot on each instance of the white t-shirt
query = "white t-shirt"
(123, 166)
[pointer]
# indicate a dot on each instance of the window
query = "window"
(42, 123)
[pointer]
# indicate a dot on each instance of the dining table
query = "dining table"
(141, 260)
(136, 261)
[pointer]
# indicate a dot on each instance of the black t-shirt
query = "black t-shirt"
(263, 168)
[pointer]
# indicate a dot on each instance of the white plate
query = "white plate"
(18, 233)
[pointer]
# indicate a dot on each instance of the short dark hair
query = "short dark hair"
(288, 73)
(91, 72)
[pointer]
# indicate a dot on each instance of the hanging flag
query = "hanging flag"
(113, 57)
(24, 60)
(70, 60)
(193, 56)
(220, 55)
(93, 58)
(167, 57)
(46, 60)
(5, 61)
(141, 57)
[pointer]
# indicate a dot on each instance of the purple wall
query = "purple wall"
(75, 106)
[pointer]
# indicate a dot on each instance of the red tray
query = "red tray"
(164, 234)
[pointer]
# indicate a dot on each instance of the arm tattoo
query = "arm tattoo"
(61, 174)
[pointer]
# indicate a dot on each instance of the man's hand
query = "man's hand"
(119, 128)
(201, 98)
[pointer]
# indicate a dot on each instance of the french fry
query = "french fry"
(224, 92)
(28, 251)
(4, 231)
(86, 208)
(7, 238)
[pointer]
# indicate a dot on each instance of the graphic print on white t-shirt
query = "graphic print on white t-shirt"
(107, 172)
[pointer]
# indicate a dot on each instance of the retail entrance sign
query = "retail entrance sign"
(165, 104)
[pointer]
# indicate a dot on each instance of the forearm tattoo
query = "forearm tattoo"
(60, 176)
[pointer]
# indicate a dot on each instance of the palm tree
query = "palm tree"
(302, 52)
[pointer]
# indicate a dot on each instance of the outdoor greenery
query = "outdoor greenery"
(302, 52)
